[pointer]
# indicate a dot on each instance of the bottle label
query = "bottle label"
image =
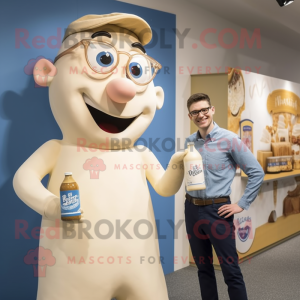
(194, 174)
(70, 203)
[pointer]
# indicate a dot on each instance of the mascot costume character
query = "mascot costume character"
(101, 110)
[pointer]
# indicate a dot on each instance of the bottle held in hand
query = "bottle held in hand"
(69, 199)
(193, 168)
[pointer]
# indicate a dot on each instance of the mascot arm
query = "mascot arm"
(165, 183)
(27, 180)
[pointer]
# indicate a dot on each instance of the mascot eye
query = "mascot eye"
(102, 57)
(135, 70)
(105, 59)
(140, 69)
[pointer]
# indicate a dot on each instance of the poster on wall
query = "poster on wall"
(265, 113)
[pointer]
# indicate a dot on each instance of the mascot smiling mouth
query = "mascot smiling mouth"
(106, 122)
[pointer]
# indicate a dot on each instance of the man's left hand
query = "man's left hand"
(229, 209)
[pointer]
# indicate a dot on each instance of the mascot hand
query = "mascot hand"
(178, 157)
(52, 211)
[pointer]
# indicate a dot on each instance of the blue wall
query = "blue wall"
(26, 121)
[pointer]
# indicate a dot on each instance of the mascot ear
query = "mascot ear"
(44, 72)
(160, 97)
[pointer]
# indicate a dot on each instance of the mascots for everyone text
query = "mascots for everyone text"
(103, 98)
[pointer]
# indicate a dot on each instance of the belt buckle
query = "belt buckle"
(196, 202)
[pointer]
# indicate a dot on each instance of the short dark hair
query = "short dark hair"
(196, 98)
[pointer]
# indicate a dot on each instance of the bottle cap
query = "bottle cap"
(68, 173)
(190, 143)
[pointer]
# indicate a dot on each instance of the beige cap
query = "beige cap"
(131, 22)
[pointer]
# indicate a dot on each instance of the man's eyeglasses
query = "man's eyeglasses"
(203, 111)
(103, 58)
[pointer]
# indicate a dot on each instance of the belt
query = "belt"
(203, 202)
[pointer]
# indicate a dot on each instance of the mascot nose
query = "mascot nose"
(121, 90)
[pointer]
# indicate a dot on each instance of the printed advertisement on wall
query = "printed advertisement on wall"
(265, 113)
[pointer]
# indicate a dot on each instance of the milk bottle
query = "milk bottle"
(193, 167)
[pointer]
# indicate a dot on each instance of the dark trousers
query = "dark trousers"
(206, 228)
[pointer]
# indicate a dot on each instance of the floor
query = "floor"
(272, 275)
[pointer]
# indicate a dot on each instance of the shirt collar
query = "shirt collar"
(211, 134)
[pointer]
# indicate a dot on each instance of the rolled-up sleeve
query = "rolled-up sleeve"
(248, 163)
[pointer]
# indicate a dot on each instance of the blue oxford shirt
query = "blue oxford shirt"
(222, 151)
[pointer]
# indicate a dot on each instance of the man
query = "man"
(209, 213)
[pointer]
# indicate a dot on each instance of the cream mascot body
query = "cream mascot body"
(98, 263)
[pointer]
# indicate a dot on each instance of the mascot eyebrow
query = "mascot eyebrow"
(101, 33)
(139, 45)
(107, 34)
